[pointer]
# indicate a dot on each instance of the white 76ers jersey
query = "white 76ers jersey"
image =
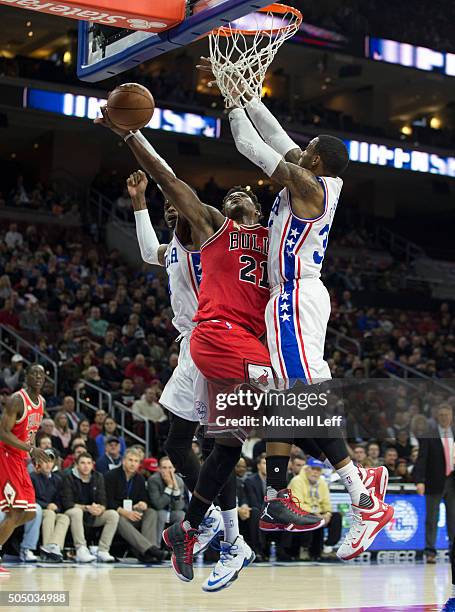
(184, 271)
(297, 246)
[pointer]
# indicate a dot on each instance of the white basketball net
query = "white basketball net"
(241, 52)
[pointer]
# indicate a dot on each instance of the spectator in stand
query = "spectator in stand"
(390, 460)
(435, 477)
(148, 407)
(96, 325)
(148, 467)
(374, 454)
(419, 428)
(83, 431)
(126, 395)
(84, 501)
(296, 463)
(112, 456)
(77, 447)
(13, 238)
(127, 494)
(138, 371)
(109, 371)
(110, 429)
(403, 443)
(14, 376)
(255, 488)
(97, 426)
(33, 319)
(314, 496)
(47, 484)
(248, 518)
(30, 538)
(413, 459)
(62, 433)
(166, 491)
(360, 456)
(401, 472)
(8, 315)
(111, 345)
(76, 322)
(68, 407)
(114, 314)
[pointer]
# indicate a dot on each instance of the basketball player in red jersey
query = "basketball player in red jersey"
(225, 344)
(20, 421)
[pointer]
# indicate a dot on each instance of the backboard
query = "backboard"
(104, 51)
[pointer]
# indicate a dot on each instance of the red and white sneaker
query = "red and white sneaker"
(375, 480)
(4, 572)
(366, 524)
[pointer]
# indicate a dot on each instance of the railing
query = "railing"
(398, 245)
(93, 397)
(124, 411)
(12, 343)
(409, 374)
(341, 338)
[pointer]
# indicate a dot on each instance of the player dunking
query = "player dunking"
(236, 554)
(21, 419)
(299, 307)
(232, 299)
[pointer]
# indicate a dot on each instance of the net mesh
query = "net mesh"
(241, 52)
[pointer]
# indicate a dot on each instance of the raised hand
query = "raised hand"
(106, 122)
(137, 184)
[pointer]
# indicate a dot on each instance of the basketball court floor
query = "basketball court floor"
(262, 588)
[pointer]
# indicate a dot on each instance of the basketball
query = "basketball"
(130, 106)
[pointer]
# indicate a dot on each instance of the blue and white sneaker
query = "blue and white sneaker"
(209, 528)
(449, 605)
(233, 558)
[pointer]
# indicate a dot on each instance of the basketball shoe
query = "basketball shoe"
(181, 538)
(366, 524)
(375, 480)
(449, 605)
(233, 558)
(210, 527)
(283, 513)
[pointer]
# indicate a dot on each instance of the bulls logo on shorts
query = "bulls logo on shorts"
(10, 493)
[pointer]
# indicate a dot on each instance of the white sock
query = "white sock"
(453, 590)
(354, 485)
(271, 493)
(231, 524)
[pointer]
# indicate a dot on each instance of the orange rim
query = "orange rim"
(280, 9)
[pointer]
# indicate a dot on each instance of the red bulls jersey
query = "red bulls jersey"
(234, 286)
(28, 424)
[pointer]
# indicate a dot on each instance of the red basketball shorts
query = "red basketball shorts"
(16, 488)
(229, 356)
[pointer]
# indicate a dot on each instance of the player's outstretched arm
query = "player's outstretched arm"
(14, 409)
(201, 217)
(263, 120)
(306, 191)
(152, 251)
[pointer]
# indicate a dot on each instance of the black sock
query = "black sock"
(196, 511)
(277, 472)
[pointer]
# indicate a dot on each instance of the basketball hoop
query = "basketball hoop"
(242, 51)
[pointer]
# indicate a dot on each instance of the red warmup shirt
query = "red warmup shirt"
(234, 286)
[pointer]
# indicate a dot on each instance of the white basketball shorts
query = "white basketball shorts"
(185, 393)
(296, 318)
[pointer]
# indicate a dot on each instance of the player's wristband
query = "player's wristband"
(129, 135)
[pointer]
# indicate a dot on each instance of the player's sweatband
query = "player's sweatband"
(146, 236)
(250, 144)
(269, 128)
(150, 149)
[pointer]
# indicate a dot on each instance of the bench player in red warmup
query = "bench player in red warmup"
(20, 421)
